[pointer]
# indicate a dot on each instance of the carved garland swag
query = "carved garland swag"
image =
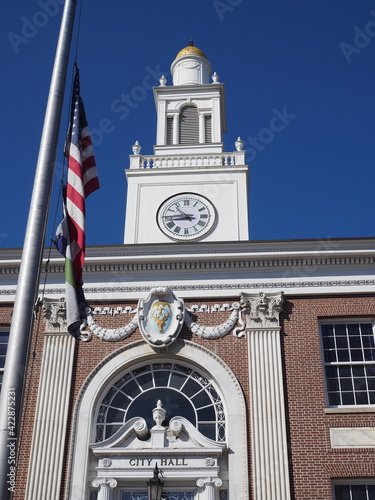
(253, 311)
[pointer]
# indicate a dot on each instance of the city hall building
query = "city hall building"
(215, 367)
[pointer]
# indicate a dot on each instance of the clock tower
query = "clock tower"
(190, 189)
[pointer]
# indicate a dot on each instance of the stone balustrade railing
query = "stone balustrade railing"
(188, 160)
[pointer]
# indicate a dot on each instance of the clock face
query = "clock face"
(186, 216)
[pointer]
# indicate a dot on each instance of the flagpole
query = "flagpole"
(28, 282)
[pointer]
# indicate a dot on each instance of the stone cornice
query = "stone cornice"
(313, 266)
(190, 89)
(314, 286)
(201, 260)
(317, 246)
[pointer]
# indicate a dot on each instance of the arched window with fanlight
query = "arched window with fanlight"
(183, 390)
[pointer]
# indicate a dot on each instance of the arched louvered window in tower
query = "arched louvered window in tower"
(189, 125)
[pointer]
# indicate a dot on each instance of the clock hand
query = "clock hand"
(179, 209)
(178, 217)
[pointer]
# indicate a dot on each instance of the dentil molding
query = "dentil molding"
(319, 285)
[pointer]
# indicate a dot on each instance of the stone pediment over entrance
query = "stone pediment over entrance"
(177, 449)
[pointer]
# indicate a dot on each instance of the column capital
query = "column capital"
(209, 481)
(262, 310)
(104, 482)
(54, 312)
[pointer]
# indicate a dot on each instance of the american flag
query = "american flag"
(82, 180)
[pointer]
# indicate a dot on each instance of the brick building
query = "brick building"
(241, 369)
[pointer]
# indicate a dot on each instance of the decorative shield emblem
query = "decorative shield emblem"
(160, 316)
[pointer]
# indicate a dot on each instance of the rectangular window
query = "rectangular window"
(349, 361)
(4, 337)
(354, 491)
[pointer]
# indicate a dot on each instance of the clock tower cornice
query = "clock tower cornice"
(189, 89)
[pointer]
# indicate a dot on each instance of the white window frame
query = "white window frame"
(350, 482)
(3, 329)
(332, 321)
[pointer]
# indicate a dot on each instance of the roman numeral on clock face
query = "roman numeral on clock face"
(186, 216)
(173, 227)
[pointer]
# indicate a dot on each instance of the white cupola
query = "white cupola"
(191, 111)
(191, 67)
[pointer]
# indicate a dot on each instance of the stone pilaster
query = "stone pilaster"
(269, 440)
(202, 137)
(47, 452)
(175, 128)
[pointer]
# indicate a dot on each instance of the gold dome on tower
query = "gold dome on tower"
(191, 67)
(190, 49)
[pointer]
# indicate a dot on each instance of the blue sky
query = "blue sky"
(312, 61)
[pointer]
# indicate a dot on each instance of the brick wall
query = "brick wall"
(313, 462)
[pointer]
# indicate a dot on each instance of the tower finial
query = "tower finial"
(191, 43)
